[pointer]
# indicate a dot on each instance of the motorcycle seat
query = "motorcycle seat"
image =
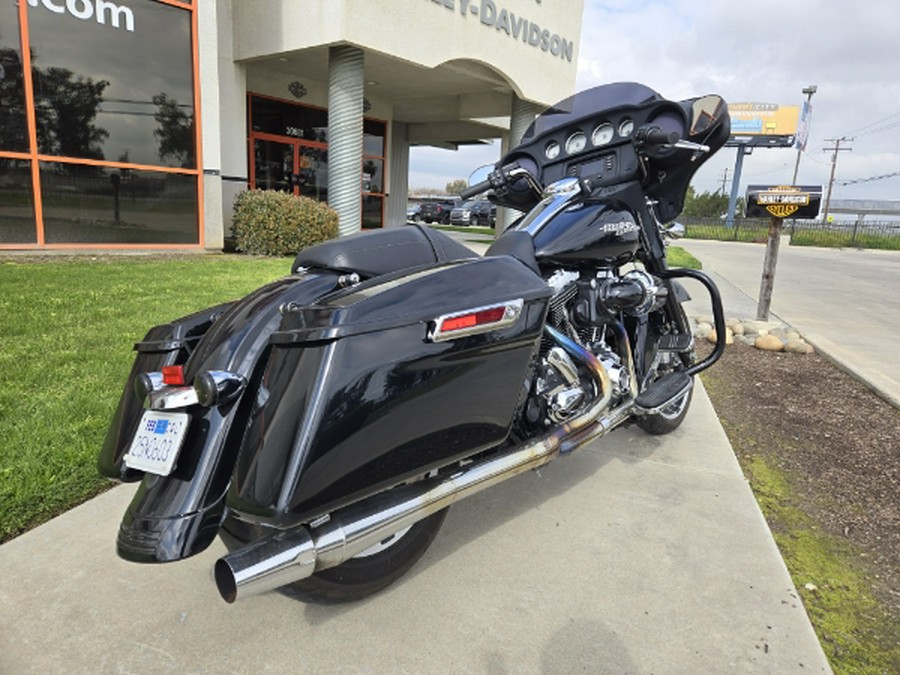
(371, 254)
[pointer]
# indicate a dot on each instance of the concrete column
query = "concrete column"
(210, 141)
(521, 115)
(345, 136)
(398, 170)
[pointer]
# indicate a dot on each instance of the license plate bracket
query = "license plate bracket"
(157, 442)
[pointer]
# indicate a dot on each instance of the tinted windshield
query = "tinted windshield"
(587, 102)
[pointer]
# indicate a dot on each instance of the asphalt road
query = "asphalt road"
(846, 302)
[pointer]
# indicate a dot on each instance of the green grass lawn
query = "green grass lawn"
(66, 334)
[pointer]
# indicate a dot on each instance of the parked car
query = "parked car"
(436, 212)
(414, 213)
(462, 214)
(484, 213)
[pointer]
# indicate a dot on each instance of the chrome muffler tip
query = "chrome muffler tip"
(266, 564)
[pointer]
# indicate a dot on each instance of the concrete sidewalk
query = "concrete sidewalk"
(637, 554)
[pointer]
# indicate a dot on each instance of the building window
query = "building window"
(13, 127)
(289, 151)
(17, 224)
(112, 109)
(108, 205)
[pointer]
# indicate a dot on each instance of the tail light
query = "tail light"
(476, 320)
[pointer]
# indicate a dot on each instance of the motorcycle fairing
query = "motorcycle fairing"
(355, 398)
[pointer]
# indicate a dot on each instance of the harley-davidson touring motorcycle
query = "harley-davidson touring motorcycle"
(323, 424)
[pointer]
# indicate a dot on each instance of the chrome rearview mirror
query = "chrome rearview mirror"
(480, 174)
(705, 112)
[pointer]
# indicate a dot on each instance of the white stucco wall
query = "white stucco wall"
(516, 37)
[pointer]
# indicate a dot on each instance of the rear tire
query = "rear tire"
(366, 573)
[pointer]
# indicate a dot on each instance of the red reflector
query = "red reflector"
(173, 375)
(481, 318)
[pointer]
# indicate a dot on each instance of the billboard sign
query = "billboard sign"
(783, 201)
(763, 124)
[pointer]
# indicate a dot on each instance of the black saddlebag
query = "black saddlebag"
(362, 391)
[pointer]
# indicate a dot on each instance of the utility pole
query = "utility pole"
(834, 155)
(809, 91)
(724, 178)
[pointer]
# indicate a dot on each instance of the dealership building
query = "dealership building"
(134, 123)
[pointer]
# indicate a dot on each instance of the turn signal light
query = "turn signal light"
(215, 387)
(173, 375)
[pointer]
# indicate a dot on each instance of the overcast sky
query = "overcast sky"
(766, 51)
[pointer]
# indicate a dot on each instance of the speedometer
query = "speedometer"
(551, 150)
(576, 143)
(602, 134)
(626, 127)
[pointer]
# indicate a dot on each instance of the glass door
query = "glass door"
(289, 165)
(273, 164)
(311, 178)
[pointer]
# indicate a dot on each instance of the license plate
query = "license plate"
(157, 442)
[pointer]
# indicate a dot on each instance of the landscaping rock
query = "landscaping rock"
(768, 343)
(702, 330)
(798, 346)
(729, 336)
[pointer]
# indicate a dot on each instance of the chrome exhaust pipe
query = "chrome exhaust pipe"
(293, 555)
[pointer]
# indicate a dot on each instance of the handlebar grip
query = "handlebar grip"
(473, 190)
(659, 137)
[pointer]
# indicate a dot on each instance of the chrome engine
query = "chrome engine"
(589, 311)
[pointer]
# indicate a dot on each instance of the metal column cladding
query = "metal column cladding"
(345, 136)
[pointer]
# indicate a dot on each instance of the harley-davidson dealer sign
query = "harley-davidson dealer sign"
(783, 201)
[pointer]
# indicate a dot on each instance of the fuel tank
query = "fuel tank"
(362, 392)
(589, 234)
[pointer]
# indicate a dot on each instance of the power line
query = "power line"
(869, 179)
(875, 124)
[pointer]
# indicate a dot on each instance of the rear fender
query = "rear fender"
(175, 516)
(165, 345)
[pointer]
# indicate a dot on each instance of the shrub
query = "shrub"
(268, 222)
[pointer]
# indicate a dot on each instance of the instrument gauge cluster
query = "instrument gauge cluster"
(576, 142)
(551, 150)
(602, 134)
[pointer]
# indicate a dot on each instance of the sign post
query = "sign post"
(778, 202)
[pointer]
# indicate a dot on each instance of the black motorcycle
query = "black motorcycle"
(323, 424)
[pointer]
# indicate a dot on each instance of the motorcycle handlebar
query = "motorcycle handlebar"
(473, 190)
(656, 136)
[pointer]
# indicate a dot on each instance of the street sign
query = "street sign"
(783, 201)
